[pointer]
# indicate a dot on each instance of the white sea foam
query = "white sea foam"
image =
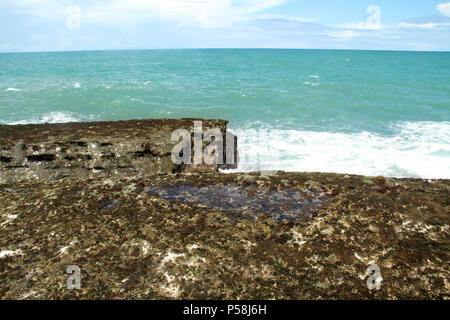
(53, 117)
(314, 76)
(313, 84)
(13, 89)
(76, 85)
(418, 149)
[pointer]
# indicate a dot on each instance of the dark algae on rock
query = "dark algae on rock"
(96, 149)
(139, 228)
(135, 238)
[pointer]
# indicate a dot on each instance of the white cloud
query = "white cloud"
(242, 23)
(202, 12)
(343, 34)
(266, 16)
(444, 8)
(46, 9)
(373, 21)
(417, 25)
(208, 13)
(360, 26)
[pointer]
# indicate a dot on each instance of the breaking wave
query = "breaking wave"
(416, 149)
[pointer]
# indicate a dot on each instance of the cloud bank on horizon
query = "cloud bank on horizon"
(49, 25)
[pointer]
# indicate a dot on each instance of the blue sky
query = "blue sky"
(62, 25)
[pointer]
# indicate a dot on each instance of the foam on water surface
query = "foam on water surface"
(416, 149)
(53, 117)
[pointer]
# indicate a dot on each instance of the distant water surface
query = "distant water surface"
(363, 112)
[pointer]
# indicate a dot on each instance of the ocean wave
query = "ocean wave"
(53, 117)
(13, 89)
(416, 150)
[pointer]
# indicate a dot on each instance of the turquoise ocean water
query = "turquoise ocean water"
(363, 112)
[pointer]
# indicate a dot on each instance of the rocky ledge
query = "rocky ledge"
(101, 149)
(225, 236)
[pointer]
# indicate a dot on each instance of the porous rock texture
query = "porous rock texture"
(134, 244)
(97, 149)
(106, 198)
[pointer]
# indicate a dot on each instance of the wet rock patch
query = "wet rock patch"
(284, 205)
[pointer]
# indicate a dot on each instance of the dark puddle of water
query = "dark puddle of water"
(285, 205)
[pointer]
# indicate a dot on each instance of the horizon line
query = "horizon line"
(218, 48)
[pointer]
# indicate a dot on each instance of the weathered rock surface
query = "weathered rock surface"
(95, 149)
(133, 237)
